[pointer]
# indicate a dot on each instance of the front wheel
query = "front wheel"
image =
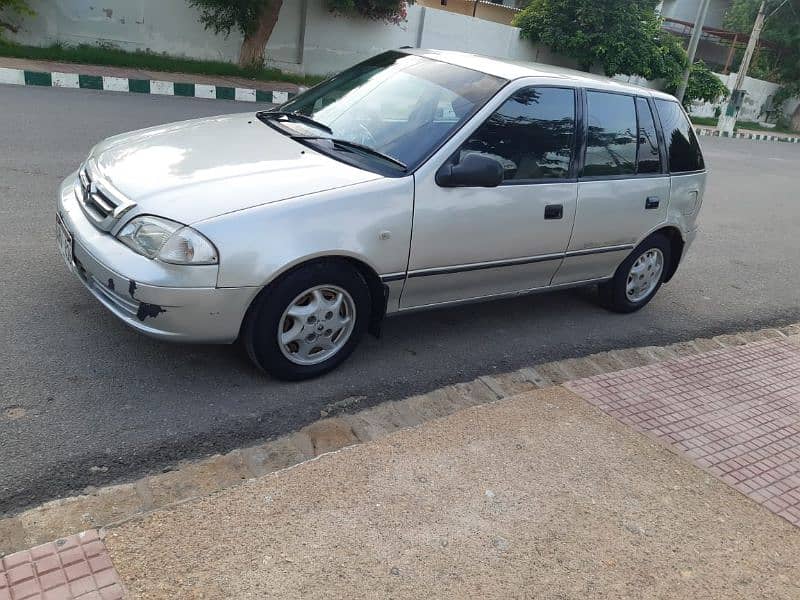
(639, 277)
(309, 321)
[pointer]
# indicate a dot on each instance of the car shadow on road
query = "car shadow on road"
(523, 318)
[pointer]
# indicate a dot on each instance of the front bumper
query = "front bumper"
(168, 302)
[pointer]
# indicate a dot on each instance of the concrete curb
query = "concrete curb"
(109, 506)
(141, 86)
(764, 137)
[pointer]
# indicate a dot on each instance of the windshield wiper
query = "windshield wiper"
(265, 115)
(355, 146)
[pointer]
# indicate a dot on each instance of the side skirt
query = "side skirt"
(528, 292)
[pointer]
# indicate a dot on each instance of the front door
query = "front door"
(475, 242)
(624, 189)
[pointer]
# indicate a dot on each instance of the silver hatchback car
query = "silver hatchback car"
(413, 180)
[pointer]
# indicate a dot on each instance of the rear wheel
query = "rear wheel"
(639, 277)
(309, 321)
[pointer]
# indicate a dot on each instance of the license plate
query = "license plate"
(64, 241)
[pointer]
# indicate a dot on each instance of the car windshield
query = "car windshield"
(398, 105)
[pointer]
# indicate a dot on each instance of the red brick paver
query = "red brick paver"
(733, 412)
(73, 568)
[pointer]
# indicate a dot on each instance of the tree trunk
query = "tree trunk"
(255, 44)
(795, 124)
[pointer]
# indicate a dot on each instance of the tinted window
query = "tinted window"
(649, 159)
(682, 147)
(531, 135)
(611, 145)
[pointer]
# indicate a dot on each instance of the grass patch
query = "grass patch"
(743, 125)
(706, 121)
(114, 57)
(753, 126)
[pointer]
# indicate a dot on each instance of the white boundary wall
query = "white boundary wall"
(168, 26)
(333, 43)
(330, 43)
(759, 93)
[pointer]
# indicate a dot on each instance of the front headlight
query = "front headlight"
(168, 241)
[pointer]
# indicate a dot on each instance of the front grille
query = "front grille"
(103, 207)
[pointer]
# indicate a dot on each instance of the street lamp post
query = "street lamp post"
(702, 11)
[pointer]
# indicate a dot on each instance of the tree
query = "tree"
(256, 19)
(9, 7)
(703, 86)
(781, 27)
(621, 36)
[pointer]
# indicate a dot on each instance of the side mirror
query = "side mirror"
(474, 170)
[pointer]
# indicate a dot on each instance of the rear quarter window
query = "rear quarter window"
(683, 149)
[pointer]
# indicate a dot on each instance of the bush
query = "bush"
(391, 11)
(704, 86)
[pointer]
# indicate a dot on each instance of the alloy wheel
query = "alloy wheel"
(316, 325)
(644, 275)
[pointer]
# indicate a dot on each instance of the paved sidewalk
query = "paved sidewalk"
(76, 567)
(549, 494)
(122, 79)
(734, 413)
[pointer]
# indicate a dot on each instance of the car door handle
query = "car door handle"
(554, 211)
(652, 202)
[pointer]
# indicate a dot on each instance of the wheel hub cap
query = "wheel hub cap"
(316, 325)
(644, 275)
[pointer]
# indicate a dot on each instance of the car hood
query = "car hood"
(195, 170)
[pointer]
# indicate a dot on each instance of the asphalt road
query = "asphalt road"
(86, 401)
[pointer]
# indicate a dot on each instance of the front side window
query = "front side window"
(532, 135)
(683, 148)
(399, 105)
(611, 144)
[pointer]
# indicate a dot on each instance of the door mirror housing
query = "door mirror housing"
(474, 170)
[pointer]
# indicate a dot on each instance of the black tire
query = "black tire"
(259, 331)
(613, 293)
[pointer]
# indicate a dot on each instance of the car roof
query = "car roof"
(508, 69)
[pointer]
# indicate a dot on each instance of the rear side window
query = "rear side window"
(611, 145)
(683, 149)
(532, 135)
(649, 157)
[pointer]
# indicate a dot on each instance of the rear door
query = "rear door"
(623, 190)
